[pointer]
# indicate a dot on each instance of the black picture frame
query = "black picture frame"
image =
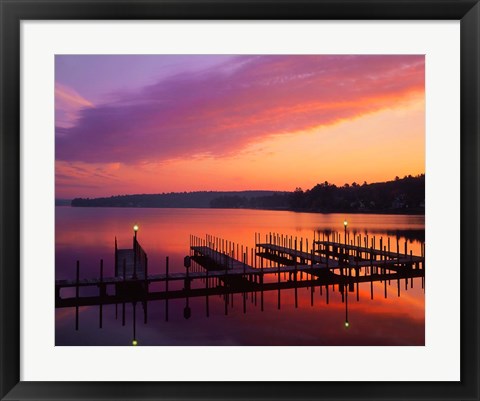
(13, 12)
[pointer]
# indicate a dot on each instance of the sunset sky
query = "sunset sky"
(167, 123)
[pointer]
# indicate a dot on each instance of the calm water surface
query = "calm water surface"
(88, 235)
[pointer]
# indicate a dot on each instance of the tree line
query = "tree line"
(402, 195)
(197, 199)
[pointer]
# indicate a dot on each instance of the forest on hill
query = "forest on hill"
(401, 195)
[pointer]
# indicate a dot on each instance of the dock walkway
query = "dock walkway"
(222, 260)
(328, 261)
(294, 253)
(368, 251)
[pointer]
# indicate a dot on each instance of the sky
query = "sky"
(130, 124)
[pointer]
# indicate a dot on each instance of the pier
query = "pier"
(131, 263)
(224, 267)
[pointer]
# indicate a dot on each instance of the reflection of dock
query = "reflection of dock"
(216, 267)
(222, 289)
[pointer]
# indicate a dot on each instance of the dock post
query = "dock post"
(124, 279)
(278, 295)
(206, 298)
(102, 294)
(296, 251)
(187, 280)
(371, 261)
(327, 250)
(296, 294)
(146, 274)
(134, 307)
(296, 286)
(166, 289)
(116, 257)
(385, 262)
(226, 269)
(312, 287)
(261, 292)
(77, 294)
(244, 292)
(135, 256)
(77, 280)
(423, 256)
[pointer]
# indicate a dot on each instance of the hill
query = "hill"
(401, 195)
(201, 199)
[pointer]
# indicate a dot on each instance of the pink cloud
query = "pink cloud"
(222, 110)
(68, 104)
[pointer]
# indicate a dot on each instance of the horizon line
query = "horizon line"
(233, 190)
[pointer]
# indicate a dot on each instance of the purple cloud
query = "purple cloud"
(219, 111)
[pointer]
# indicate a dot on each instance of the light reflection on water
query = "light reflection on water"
(87, 234)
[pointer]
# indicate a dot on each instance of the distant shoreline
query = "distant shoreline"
(400, 196)
(406, 212)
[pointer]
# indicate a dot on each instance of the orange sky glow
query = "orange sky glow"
(236, 123)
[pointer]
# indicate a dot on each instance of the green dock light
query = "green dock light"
(134, 343)
(347, 325)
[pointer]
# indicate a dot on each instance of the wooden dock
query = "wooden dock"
(223, 268)
(131, 263)
(218, 260)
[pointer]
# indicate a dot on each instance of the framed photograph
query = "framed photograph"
(239, 200)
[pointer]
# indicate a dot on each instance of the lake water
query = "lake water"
(88, 235)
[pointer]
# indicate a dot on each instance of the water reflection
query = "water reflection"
(282, 310)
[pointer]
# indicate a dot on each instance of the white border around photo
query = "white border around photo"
(438, 360)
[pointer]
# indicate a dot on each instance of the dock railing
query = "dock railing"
(140, 256)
